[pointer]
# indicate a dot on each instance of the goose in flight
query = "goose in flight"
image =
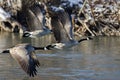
(62, 29)
(24, 54)
(36, 21)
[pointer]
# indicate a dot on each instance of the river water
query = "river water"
(98, 59)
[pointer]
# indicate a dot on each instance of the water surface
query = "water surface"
(98, 59)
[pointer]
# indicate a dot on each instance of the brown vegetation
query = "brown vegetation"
(95, 17)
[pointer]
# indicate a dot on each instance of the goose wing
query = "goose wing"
(39, 14)
(33, 21)
(62, 27)
(66, 20)
(26, 59)
(58, 30)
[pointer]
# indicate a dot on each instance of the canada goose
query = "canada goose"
(24, 54)
(62, 29)
(36, 21)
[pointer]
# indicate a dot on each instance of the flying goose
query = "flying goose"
(36, 21)
(62, 29)
(24, 54)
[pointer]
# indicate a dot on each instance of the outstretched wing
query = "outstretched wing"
(62, 26)
(66, 20)
(33, 21)
(37, 10)
(27, 60)
(57, 29)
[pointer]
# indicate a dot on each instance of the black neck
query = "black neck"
(82, 40)
(39, 48)
(48, 47)
(42, 48)
(88, 38)
(6, 51)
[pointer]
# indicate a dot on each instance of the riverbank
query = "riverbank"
(91, 18)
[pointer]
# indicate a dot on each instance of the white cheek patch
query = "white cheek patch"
(59, 46)
(45, 48)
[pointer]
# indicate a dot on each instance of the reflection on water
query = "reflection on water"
(98, 59)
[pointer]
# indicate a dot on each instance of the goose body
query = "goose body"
(24, 54)
(62, 29)
(37, 33)
(65, 45)
(62, 45)
(36, 21)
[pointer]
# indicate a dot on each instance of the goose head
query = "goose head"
(26, 34)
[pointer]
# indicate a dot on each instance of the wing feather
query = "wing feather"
(56, 28)
(39, 14)
(27, 61)
(65, 19)
(33, 21)
(62, 27)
